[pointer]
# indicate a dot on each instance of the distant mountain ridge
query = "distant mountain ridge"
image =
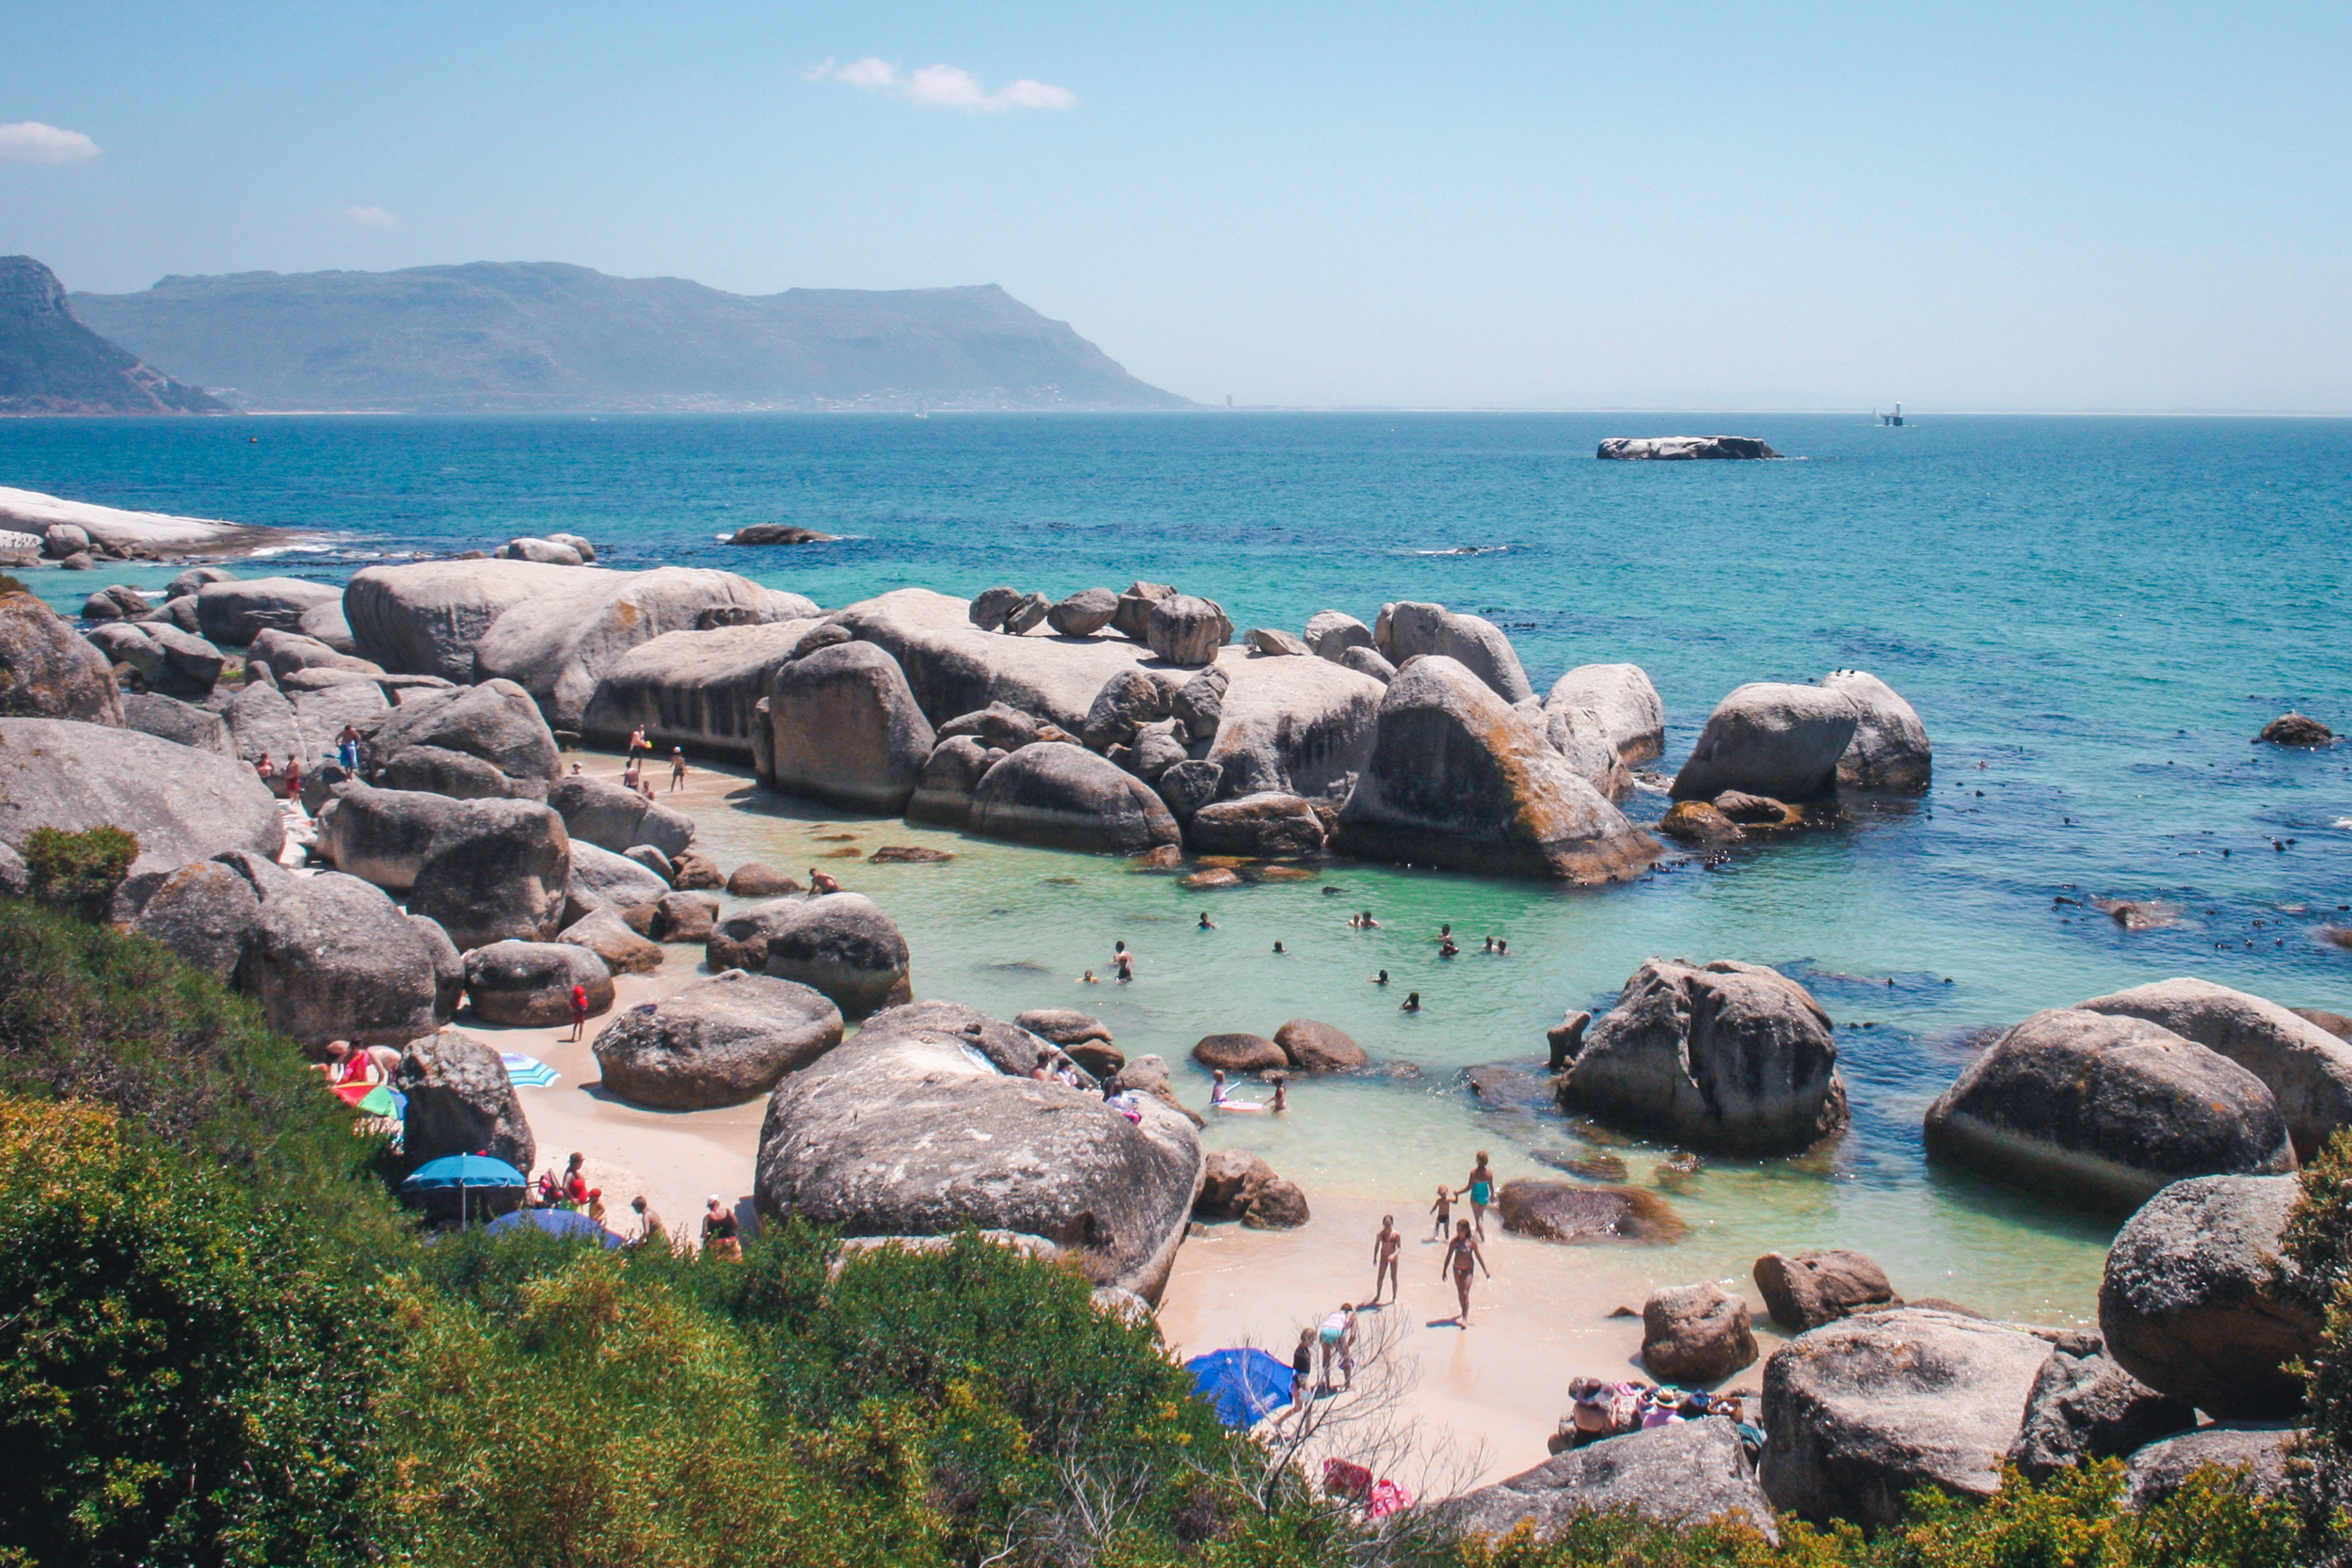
(493, 336)
(51, 363)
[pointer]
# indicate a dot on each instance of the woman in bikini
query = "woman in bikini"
(1461, 1255)
(1482, 1192)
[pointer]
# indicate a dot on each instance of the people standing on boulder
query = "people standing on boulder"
(579, 1012)
(1482, 1192)
(677, 768)
(1461, 1254)
(347, 748)
(1385, 1247)
(294, 776)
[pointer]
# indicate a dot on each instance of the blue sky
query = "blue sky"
(1767, 206)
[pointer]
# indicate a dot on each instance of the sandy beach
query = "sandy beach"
(1482, 1399)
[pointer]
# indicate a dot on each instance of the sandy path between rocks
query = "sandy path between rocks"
(1482, 1399)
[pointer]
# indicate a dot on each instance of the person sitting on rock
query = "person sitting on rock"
(819, 881)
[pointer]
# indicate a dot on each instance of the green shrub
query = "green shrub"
(183, 1374)
(79, 871)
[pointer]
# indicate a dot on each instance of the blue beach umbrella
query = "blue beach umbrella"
(1242, 1386)
(555, 1222)
(473, 1180)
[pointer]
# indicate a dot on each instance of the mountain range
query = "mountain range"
(50, 363)
(545, 335)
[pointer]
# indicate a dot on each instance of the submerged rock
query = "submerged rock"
(1563, 1211)
(1728, 1055)
(2296, 729)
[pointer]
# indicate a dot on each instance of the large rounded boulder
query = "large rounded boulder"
(926, 1121)
(1620, 704)
(331, 957)
(944, 790)
(1271, 825)
(528, 985)
(1726, 1055)
(1313, 1047)
(558, 644)
(1770, 738)
(2193, 1301)
(720, 1041)
(843, 945)
(1408, 631)
(1683, 1473)
(383, 835)
(496, 722)
(1461, 780)
(182, 805)
(1187, 630)
(206, 914)
(237, 610)
(47, 671)
(2105, 1112)
(1889, 750)
(1861, 1412)
(1065, 797)
(1286, 727)
(2307, 1069)
(1806, 1290)
(461, 1102)
(2087, 1407)
(501, 871)
(847, 729)
(1695, 1334)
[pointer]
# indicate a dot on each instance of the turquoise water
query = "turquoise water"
(2093, 617)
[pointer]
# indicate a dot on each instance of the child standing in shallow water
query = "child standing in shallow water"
(1443, 1208)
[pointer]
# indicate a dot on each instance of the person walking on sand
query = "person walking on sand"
(678, 768)
(1385, 1247)
(1482, 1192)
(579, 1012)
(1444, 1209)
(1302, 1374)
(1461, 1255)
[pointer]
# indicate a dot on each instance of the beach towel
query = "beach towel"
(1346, 1478)
(1389, 1497)
(529, 1072)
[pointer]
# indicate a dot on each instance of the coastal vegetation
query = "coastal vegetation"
(222, 1342)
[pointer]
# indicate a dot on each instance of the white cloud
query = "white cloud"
(943, 86)
(370, 217)
(28, 141)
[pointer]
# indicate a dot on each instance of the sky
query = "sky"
(1771, 206)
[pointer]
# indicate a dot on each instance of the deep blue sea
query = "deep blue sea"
(2093, 616)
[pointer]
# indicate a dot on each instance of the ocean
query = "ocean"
(2093, 616)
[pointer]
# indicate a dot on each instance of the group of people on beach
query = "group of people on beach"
(639, 752)
(722, 1233)
(1602, 1410)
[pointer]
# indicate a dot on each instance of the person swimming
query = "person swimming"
(1445, 932)
(1447, 949)
(1381, 978)
(1490, 944)
(1126, 967)
(1206, 923)
(1502, 948)
(1088, 979)
(1370, 924)
(1282, 1101)
(1412, 1003)
(1278, 945)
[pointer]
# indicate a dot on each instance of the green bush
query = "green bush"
(79, 871)
(184, 1376)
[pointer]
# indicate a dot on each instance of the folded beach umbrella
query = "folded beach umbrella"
(556, 1222)
(1244, 1386)
(470, 1172)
